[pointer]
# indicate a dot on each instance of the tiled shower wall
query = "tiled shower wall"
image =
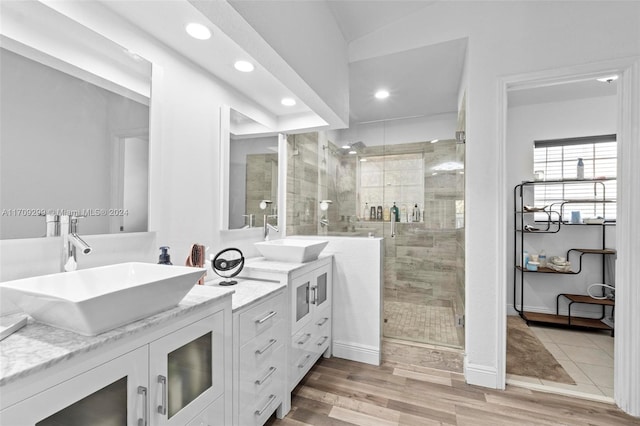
(424, 263)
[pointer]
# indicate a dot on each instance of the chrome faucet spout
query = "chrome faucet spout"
(79, 243)
(268, 226)
(71, 242)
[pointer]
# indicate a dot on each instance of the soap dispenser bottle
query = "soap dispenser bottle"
(165, 258)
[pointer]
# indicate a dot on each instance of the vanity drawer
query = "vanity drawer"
(258, 385)
(261, 317)
(260, 351)
(258, 411)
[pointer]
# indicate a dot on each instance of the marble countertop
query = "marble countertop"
(248, 291)
(262, 264)
(37, 346)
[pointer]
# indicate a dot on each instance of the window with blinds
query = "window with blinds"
(558, 160)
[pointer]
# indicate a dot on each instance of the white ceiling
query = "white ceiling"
(359, 18)
(166, 20)
(421, 81)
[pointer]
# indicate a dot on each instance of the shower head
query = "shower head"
(353, 147)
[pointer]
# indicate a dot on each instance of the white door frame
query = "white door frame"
(627, 319)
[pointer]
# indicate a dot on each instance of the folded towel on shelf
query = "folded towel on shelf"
(196, 259)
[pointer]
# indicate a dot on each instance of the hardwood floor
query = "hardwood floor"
(341, 392)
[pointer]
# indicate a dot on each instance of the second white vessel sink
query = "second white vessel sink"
(291, 249)
(92, 301)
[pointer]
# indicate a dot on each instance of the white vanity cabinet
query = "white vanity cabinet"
(260, 374)
(176, 374)
(113, 393)
(186, 371)
(308, 323)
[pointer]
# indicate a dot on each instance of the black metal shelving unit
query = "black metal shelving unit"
(552, 225)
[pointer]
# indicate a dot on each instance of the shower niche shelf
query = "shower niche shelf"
(550, 220)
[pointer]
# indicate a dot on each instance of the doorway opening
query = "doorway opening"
(552, 311)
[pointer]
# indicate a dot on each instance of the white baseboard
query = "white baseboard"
(481, 375)
(356, 352)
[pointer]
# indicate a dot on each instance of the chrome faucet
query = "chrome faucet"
(324, 221)
(268, 226)
(71, 242)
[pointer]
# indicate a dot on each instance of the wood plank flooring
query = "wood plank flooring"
(400, 392)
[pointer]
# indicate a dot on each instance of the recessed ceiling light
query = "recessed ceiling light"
(435, 140)
(353, 152)
(382, 94)
(363, 160)
(198, 31)
(346, 146)
(288, 101)
(608, 79)
(244, 66)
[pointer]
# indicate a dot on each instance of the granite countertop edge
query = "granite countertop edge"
(37, 347)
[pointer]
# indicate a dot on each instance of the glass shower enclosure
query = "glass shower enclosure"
(424, 248)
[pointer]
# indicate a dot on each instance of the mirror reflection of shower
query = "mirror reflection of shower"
(324, 206)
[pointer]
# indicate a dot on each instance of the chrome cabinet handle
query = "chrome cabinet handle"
(162, 408)
(269, 315)
(263, 350)
(306, 360)
(305, 339)
(324, 339)
(269, 402)
(314, 300)
(266, 376)
(322, 321)
(143, 391)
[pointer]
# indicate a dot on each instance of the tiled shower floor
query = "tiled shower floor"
(422, 323)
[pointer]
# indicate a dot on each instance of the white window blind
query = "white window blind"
(558, 159)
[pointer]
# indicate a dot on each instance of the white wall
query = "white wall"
(505, 38)
(417, 129)
(357, 297)
(583, 117)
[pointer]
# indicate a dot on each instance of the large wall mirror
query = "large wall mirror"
(74, 129)
(250, 160)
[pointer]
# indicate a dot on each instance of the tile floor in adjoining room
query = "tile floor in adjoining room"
(587, 356)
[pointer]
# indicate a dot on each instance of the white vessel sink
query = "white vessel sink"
(92, 301)
(291, 249)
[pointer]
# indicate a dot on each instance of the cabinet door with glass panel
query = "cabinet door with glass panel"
(186, 371)
(114, 393)
(310, 292)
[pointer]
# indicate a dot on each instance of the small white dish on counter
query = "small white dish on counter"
(95, 300)
(291, 249)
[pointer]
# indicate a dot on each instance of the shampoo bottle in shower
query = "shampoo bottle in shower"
(379, 213)
(365, 212)
(372, 214)
(386, 214)
(395, 215)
